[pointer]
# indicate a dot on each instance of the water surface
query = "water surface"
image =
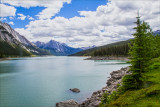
(43, 81)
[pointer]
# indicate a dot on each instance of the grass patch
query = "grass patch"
(148, 96)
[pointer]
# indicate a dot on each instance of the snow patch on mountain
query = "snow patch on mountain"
(57, 48)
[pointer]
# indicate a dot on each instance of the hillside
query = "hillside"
(114, 49)
(147, 96)
(14, 44)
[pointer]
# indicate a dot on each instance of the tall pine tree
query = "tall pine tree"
(140, 55)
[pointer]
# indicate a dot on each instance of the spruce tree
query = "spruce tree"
(140, 55)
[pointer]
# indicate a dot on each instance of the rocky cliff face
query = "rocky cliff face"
(10, 35)
(12, 43)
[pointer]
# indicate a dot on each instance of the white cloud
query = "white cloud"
(109, 23)
(30, 18)
(21, 16)
(11, 23)
(24, 3)
(24, 32)
(11, 17)
(52, 7)
(7, 10)
(2, 19)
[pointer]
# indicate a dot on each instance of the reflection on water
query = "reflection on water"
(110, 62)
(43, 81)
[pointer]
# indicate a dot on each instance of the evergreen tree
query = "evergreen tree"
(155, 45)
(140, 54)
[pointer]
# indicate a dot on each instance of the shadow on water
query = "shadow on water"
(10, 66)
(110, 62)
(7, 69)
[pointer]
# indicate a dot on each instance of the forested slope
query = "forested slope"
(115, 49)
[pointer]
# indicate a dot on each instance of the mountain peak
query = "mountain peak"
(89, 47)
(52, 41)
(57, 48)
(7, 28)
(15, 44)
(157, 32)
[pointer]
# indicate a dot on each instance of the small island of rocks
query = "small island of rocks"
(76, 90)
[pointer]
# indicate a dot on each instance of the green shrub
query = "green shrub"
(129, 83)
(155, 66)
(108, 98)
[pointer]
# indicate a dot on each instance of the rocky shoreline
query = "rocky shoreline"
(2, 59)
(95, 99)
(108, 58)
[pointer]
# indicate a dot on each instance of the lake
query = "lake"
(43, 81)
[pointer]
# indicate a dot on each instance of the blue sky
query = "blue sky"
(71, 10)
(78, 23)
(32, 11)
(67, 11)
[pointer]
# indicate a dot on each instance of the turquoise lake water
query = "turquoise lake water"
(43, 81)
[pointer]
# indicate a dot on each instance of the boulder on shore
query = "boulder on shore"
(76, 90)
(68, 103)
(95, 99)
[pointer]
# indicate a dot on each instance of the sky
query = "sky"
(78, 23)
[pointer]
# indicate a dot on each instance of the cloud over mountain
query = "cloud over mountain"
(109, 23)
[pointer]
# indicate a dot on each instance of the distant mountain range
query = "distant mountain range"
(14, 44)
(157, 32)
(59, 49)
(89, 47)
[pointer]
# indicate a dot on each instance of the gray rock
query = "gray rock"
(116, 77)
(95, 99)
(76, 90)
(94, 104)
(110, 81)
(68, 103)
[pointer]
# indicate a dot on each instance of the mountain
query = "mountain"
(14, 44)
(89, 47)
(57, 48)
(115, 49)
(157, 32)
